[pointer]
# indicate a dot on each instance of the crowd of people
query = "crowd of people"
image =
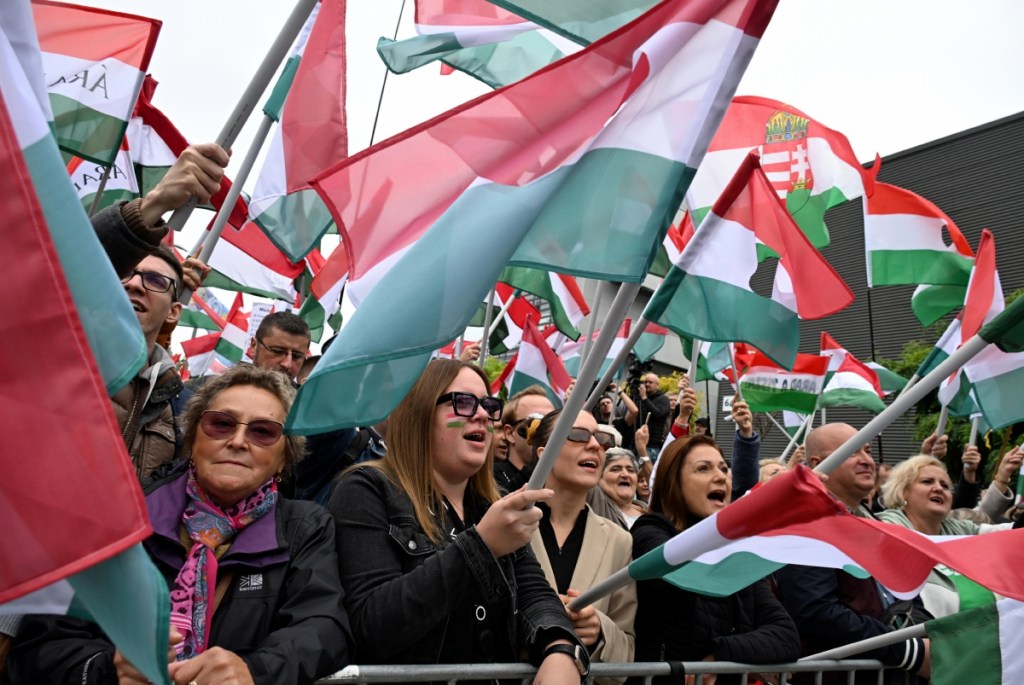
(415, 541)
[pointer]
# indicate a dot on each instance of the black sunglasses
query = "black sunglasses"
(221, 425)
(153, 282)
(465, 404)
(605, 440)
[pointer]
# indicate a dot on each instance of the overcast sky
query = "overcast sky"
(890, 74)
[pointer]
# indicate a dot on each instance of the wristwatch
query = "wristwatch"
(578, 654)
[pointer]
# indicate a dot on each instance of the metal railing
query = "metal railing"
(454, 673)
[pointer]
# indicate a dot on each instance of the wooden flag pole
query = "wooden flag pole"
(247, 103)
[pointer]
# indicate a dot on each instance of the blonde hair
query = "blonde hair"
(410, 444)
(902, 477)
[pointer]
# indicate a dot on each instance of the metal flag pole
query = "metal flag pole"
(588, 373)
(247, 103)
(488, 317)
(910, 383)
(691, 373)
(208, 240)
(591, 325)
(867, 645)
(961, 356)
(501, 313)
(973, 440)
(634, 334)
(940, 426)
(801, 429)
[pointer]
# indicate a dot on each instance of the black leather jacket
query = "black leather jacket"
(401, 588)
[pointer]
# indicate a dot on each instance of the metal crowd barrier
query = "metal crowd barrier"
(454, 673)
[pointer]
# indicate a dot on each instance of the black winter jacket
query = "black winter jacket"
(401, 588)
(675, 625)
(282, 612)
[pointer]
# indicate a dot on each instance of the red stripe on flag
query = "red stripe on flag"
(95, 34)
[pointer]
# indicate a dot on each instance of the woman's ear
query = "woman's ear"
(540, 452)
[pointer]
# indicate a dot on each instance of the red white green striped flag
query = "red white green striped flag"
(233, 341)
(507, 334)
(560, 291)
(202, 356)
(246, 261)
(835, 352)
(903, 237)
(487, 42)
(994, 376)
(309, 104)
(94, 62)
(588, 161)
(810, 166)
(651, 340)
(981, 646)
(707, 294)
(535, 364)
(571, 351)
(121, 185)
(796, 521)
(766, 387)
(62, 270)
(672, 246)
(853, 385)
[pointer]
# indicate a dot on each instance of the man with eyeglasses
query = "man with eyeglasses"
(281, 343)
(144, 408)
(515, 471)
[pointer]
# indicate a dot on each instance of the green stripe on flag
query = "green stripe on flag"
(953, 662)
(999, 398)
(764, 399)
(852, 397)
(108, 318)
(500, 64)
(216, 279)
(809, 212)
(932, 302)
(294, 222)
(275, 103)
(1007, 329)
(910, 267)
(85, 132)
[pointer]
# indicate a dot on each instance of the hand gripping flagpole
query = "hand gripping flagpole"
(588, 373)
(634, 334)
(1012, 317)
(796, 436)
(208, 240)
(247, 103)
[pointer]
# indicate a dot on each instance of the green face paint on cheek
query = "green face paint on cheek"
(455, 424)
(490, 428)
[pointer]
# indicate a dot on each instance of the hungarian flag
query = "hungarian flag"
(535, 364)
(560, 291)
(981, 646)
(890, 380)
(672, 246)
(650, 341)
(792, 422)
(75, 510)
(571, 351)
(766, 387)
(204, 311)
(810, 166)
(485, 41)
(995, 376)
(794, 520)
(121, 185)
(932, 302)
(233, 341)
(309, 104)
(246, 261)
(94, 61)
(903, 237)
(707, 294)
(507, 332)
(201, 353)
(576, 169)
(835, 352)
(322, 304)
(853, 385)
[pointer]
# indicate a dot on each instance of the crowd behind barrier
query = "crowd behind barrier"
(454, 673)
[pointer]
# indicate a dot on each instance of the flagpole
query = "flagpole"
(501, 313)
(900, 405)
(208, 240)
(973, 440)
(384, 83)
(488, 318)
(634, 334)
(588, 374)
(997, 328)
(591, 324)
(940, 426)
(919, 630)
(735, 374)
(95, 207)
(247, 103)
(796, 436)
(458, 347)
(691, 373)
(777, 424)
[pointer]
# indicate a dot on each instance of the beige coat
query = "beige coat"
(606, 549)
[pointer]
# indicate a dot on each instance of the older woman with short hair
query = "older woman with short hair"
(619, 480)
(919, 496)
(255, 595)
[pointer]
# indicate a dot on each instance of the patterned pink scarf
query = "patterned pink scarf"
(210, 527)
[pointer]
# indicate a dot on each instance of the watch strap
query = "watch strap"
(576, 653)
